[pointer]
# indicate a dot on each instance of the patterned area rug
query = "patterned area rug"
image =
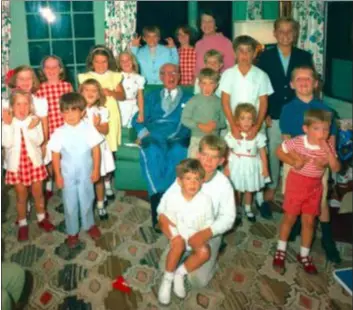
(81, 279)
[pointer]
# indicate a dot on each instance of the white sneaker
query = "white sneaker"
(164, 293)
(179, 288)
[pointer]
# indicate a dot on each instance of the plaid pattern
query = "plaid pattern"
(187, 62)
(26, 174)
(53, 93)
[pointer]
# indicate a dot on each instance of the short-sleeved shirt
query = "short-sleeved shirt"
(301, 145)
(245, 89)
(292, 116)
(132, 82)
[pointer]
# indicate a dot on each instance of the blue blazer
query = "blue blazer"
(150, 66)
(270, 62)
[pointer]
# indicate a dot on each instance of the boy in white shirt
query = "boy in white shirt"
(188, 212)
(245, 83)
(212, 152)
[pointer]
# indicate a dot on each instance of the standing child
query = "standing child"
(187, 55)
(153, 55)
(53, 86)
(133, 84)
(97, 114)
(23, 159)
(304, 188)
(76, 163)
(101, 66)
(247, 158)
(203, 113)
(187, 211)
(213, 60)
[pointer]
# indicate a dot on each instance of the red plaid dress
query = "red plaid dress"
(26, 173)
(187, 62)
(53, 93)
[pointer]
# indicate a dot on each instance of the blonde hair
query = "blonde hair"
(151, 29)
(245, 107)
(41, 74)
(208, 73)
(17, 71)
(314, 116)
(214, 143)
(305, 67)
(135, 66)
(213, 53)
(19, 92)
(104, 51)
(190, 165)
(102, 98)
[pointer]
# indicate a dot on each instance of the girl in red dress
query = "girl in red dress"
(187, 56)
(23, 159)
(52, 87)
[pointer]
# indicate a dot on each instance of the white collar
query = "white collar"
(243, 134)
(22, 124)
(309, 146)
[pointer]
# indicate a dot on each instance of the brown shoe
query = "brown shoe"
(72, 241)
(23, 233)
(94, 232)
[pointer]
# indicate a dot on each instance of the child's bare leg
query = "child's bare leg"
(238, 203)
(21, 203)
(99, 186)
(238, 198)
(108, 186)
(49, 181)
(248, 201)
(286, 226)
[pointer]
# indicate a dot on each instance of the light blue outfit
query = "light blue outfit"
(75, 143)
(150, 64)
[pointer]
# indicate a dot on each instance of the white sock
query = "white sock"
(22, 222)
(304, 251)
(282, 245)
(168, 275)
(259, 197)
(181, 270)
(100, 204)
(40, 217)
(49, 185)
(107, 184)
(247, 208)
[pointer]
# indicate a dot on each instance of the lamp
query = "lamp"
(260, 29)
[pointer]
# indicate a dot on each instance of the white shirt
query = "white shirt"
(222, 195)
(40, 106)
(189, 217)
(11, 141)
(245, 89)
(173, 93)
(132, 83)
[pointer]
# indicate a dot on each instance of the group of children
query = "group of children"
(76, 134)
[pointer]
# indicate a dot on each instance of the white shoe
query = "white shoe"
(164, 293)
(179, 288)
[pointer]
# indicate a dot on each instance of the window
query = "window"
(63, 28)
(339, 51)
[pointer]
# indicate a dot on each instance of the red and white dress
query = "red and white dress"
(187, 62)
(53, 93)
(21, 168)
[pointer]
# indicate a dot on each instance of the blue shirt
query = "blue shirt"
(292, 116)
(284, 60)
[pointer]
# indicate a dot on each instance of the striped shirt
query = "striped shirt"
(301, 146)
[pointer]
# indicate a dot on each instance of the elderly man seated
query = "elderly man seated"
(163, 139)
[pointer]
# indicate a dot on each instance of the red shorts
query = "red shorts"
(303, 194)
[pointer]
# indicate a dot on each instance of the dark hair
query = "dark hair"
(245, 40)
(208, 73)
(290, 20)
(62, 75)
(104, 51)
(314, 115)
(189, 31)
(102, 98)
(19, 69)
(72, 101)
(190, 165)
(211, 13)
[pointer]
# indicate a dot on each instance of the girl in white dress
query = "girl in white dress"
(98, 115)
(247, 160)
(133, 84)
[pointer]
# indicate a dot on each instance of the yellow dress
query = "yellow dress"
(109, 80)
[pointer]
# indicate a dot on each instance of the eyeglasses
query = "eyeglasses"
(173, 73)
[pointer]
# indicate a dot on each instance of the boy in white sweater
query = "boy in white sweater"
(188, 212)
(212, 152)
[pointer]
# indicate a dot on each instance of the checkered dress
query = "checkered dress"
(187, 62)
(53, 93)
(26, 173)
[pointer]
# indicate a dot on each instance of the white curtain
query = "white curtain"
(120, 24)
(311, 18)
(5, 43)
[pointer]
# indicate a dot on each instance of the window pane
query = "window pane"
(84, 26)
(70, 71)
(33, 6)
(82, 6)
(62, 28)
(37, 27)
(82, 49)
(37, 51)
(60, 6)
(64, 49)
